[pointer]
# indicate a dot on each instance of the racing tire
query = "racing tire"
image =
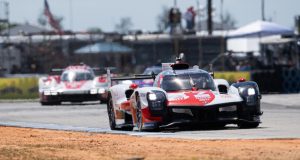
(50, 103)
(102, 102)
(111, 113)
(128, 120)
(248, 125)
(139, 115)
(45, 103)
(57, 103)
(219, 126)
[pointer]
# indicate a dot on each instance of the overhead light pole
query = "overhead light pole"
(263, 10)
(175, 3)
(71, 14)
(209, 17)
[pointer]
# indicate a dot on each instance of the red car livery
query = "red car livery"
(180, 96)
(76, 84)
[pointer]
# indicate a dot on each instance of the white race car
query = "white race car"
(77, 83)
(181, 95)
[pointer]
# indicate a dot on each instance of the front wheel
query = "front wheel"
(111, 113)
(139, 115)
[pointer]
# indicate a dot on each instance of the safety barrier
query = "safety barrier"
(269, 81)
(290, 80)
(279, 80)
(232, 77)
(19, 88)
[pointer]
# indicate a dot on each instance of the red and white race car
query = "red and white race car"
(182, 95)
(77, 83)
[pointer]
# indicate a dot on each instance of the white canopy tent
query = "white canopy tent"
(247, 38)
(260, 29)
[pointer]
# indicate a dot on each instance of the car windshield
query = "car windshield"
(76, 76)
(155, 70)
(187, 81)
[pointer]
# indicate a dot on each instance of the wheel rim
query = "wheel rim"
(139, 116)
(111, 114)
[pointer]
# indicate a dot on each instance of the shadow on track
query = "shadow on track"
(204, 128)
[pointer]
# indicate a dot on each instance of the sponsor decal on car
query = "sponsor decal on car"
(192, 98)
(74, 85)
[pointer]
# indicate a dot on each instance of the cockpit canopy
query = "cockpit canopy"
(153, 69)
(200, 81)
(71, 76)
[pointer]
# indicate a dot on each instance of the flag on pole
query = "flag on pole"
(53, 23)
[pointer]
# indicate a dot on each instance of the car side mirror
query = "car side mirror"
(128, 93)
(222, 89)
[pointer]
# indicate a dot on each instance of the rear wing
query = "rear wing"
(110, 79)
(56, 71)
(95, 69)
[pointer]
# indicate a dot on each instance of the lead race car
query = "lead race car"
(182, 95)
(77, 83)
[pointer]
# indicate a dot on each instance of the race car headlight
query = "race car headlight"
(93, 91)
(59, 90)
(152, 96)
(247, 91)
(251, 91)
(54, 93)
(47, 83)
(47, 93)
(156, 101)
(101, 90)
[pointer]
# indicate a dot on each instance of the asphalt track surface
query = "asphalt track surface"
(279, 121)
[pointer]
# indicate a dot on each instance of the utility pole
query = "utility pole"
(263, 10)
(5, 21)
(71, 14)
(222, 15)
(209, 17)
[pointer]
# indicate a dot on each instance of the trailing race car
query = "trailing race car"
(148, 71)
(76, 84)
(182, 95)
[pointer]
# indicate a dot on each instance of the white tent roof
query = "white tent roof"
(259, 29)
(103, 47)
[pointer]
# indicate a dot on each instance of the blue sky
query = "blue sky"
(106, 13)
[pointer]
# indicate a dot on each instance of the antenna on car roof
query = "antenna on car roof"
(179, 64)
(211, 70)
(180, 58)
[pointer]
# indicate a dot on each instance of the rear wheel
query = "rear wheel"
(128, 122)
(111, 113)
(50, 103)
(45, 103)
(139, 115)
(248, 125)
(57, 103)
(219, 125)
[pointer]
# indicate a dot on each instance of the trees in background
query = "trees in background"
(163, 19)
(124, 26)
